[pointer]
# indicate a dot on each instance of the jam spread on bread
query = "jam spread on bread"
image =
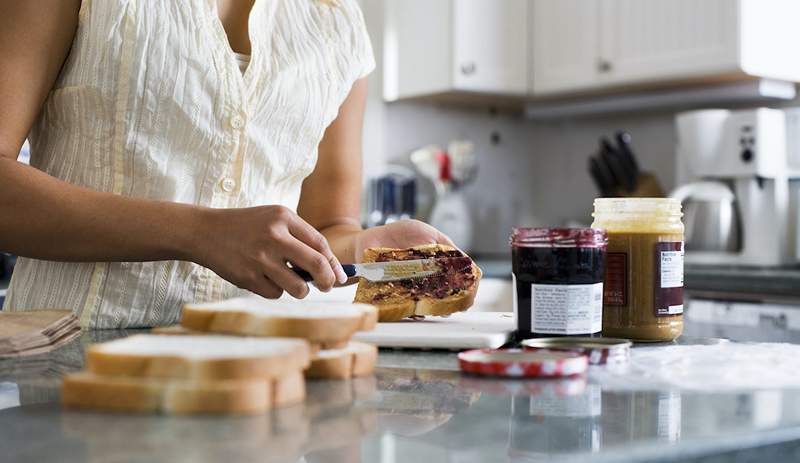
(453, 278)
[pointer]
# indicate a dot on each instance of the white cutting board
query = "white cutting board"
(462, 330)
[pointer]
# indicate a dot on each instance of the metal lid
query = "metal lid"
(599, 350)
(522, 363)
(576, 342)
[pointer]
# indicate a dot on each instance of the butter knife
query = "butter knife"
(398, 269)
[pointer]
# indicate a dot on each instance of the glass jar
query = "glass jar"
(558, 281)
(643, 291)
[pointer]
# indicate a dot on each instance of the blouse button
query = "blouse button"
(228, 184)
(237, 122)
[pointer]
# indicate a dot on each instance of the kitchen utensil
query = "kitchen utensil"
(710, 216)
(427, 164)
(464, 167)
(398, 269)
(451, 216)
(625, 176)
(408, 199)
(392, 196)
(601, 176)
(449, 172)
(616, 172)
(625, 151)
(381, 201)
(462, 330)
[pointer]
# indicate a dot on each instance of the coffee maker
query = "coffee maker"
(740, 177)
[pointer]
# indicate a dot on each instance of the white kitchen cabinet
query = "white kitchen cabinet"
(444, 46)
(656, 39)
(563, 36)
(597, 45)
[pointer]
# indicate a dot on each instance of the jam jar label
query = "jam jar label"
(566, 309)
(616, 291)
(669, 279)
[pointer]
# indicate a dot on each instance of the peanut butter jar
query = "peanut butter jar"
(643, 288)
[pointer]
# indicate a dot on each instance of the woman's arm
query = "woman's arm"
(331, 196)
(46, 218)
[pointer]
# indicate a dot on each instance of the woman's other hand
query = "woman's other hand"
(400, 234)
(251, 247)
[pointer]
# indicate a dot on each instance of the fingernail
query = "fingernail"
(341, 277)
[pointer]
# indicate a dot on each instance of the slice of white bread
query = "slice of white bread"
(129, 394)
(181, 330)
(395, 303)
(198, 357)
(356, 359)
(319, 322)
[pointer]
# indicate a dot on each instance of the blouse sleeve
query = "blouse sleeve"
(364, 56)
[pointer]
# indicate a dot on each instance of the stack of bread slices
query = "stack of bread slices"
(240, 356)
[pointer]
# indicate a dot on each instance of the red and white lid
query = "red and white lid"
(519, 363)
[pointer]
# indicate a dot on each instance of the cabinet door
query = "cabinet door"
(667, 39)
(417, 48)
(490, 46)
(564, 36)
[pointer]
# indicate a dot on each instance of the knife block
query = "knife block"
(648, 186)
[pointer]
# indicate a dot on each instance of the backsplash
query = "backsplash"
(536, 174)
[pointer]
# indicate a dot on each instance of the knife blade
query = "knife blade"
(624, 177)
(625, 150)
(398, 269)
(601, 176)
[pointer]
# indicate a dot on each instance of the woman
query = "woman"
(181, 150)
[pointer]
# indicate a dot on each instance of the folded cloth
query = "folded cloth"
(36, 332)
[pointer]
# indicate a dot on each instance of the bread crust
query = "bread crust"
(357, 359)
(100, 362)
(324, 331)
(148, 395)
(396, 308)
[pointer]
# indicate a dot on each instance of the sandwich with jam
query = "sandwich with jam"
(450, 290)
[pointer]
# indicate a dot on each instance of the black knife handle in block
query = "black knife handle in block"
(349, 270)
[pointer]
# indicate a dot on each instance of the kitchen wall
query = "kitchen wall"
(535, 175)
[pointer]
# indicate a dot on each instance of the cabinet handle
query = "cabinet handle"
(468, 68)
(603, 66)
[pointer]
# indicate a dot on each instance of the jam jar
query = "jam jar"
(558, 279)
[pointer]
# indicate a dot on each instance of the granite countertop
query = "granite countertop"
(417, 407)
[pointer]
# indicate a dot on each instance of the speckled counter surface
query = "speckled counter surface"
(418, 407)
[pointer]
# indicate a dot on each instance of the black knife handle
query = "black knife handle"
(349, 270)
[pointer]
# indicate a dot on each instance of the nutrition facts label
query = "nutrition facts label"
(566, 309)
(668, 299)
(672, 269)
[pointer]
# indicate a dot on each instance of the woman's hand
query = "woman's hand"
(401, 234)
(251, 247)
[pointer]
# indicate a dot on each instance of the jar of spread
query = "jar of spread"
(643, 295)
(558, 280)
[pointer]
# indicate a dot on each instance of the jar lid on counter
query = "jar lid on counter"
(559, 238)
(600, 351)
(520, 363)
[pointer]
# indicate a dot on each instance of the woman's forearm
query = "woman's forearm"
(46, 218)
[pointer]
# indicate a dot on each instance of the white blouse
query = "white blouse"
(151, 103)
